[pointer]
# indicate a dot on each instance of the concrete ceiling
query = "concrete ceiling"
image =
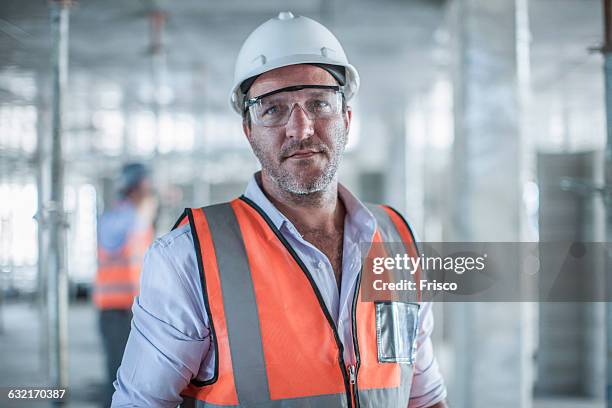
(567, 74)
(110, 40)
(399, 46)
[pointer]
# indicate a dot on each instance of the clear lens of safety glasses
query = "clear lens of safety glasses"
(275, 109)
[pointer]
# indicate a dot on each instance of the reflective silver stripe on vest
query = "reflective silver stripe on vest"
(395, 397)
(386, 227)
(122, 261)
(394, 245)
(240, 305)
(390, 235)
(322, 401)
(389, 397)
(115, 288)
(242, 319)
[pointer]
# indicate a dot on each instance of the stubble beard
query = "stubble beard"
(291, 182)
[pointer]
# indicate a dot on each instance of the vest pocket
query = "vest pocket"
(397, 325)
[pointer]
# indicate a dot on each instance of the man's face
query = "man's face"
(301, 157)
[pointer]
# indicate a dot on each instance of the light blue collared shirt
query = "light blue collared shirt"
(115, 225)
(169, 344)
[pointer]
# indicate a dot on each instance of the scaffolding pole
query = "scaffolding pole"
(607, 52)
(41, 191)
(157, 20)
(57, 284)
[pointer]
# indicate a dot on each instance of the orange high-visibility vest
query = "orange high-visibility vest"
(275, 342)
(118, 276)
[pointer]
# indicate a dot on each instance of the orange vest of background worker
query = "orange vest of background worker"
(124, 234)
(118, 274)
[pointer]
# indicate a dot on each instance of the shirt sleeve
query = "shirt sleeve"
(428, 386)
(169, 338)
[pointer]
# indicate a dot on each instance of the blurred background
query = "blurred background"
(481, 120)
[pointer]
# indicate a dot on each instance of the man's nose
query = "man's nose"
(299, 125)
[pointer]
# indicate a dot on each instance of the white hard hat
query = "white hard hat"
(289, 40)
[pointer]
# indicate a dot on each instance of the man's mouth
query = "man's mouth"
(302, 154)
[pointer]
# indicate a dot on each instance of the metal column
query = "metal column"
(57, 284)
(607, 52)
(158, 69)
(490, 340)
(42, 190)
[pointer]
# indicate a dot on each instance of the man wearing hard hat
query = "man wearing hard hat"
(125, 231)
(254, 302)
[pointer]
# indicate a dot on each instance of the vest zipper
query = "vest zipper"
(353, 382)
(343, 368)
(355, 341)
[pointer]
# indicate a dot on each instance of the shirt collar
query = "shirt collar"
(357, 213)
(254, 193)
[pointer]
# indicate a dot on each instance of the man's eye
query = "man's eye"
(320, 104)
(270, 111)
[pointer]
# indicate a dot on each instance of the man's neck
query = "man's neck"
(321, 211)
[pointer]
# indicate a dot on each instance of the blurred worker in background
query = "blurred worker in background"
(254, 302)
(124, 233)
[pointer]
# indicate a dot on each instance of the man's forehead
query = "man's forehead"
(302, 74)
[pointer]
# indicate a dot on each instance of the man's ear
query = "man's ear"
(246, 127)
(348, 116)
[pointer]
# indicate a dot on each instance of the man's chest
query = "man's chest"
(331, 246)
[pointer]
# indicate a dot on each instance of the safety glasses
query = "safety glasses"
(274, 108)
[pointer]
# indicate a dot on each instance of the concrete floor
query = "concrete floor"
(568, 403)
(23, 355)
(21, 363)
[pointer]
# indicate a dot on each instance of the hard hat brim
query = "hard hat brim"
(236, 96)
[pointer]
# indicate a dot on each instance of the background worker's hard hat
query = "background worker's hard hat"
(132, 174)
(289, 40)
